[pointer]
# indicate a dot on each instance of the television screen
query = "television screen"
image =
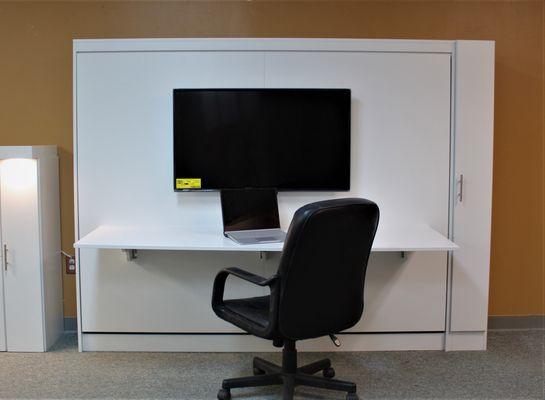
(287, 139)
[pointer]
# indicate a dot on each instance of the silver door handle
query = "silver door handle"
(460, 182)
(5, 257)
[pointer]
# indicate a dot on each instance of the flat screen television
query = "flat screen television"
(287, 139)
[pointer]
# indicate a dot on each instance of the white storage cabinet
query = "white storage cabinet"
(31, 316)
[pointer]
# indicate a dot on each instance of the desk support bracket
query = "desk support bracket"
(132, 254)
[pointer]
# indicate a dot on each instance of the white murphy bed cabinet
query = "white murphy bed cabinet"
(422, 117)
(31, 316)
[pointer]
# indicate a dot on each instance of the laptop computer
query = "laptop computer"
(250, 216)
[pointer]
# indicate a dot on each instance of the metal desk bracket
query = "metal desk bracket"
(132, 254)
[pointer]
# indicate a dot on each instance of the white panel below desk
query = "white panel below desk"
(402, 238)
(169, 291)
(248, 343)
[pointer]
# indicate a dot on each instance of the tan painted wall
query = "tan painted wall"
(36, 91)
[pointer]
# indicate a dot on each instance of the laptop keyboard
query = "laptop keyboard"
(252, 237)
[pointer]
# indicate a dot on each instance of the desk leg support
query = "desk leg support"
(131, 254)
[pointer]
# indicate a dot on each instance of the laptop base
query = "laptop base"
(257, 236)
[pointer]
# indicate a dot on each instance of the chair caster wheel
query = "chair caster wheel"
(352, 396)
(330, 373)
(224, 394)
(258, 371)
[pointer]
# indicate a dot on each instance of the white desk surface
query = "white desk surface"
(406, 238)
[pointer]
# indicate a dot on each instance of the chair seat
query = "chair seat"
(250, 313)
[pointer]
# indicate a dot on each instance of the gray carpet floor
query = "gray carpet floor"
(511, 368)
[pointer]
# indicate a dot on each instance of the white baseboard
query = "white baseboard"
(463, 341)
(247, 343)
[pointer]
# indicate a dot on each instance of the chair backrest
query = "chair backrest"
(323, 265)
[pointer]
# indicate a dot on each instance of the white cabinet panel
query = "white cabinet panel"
(124, 167)
(402, 294)
(400, 158)
(170, 291)
(160, 291)
(400, 127)
(21, 236)
(405, 294)
(473, 212)
(124, 134)
(2, 315)
(52, 267)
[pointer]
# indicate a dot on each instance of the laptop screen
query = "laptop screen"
(249, 209)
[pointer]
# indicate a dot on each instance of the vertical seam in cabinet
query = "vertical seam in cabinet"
(2, 290)
(264, 68)
(76, 196)
(452, 190)
(41, 250)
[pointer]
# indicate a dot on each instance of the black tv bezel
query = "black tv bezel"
(268, 90)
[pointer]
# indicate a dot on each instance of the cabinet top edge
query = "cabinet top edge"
(263, 44)
(35, 152)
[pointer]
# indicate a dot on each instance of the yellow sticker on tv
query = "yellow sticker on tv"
(188, 183)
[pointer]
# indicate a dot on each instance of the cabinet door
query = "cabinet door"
(400, 159)
(20, 236)
(2, 317)
(131, 111)
(473, 209)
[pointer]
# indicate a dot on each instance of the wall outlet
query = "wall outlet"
(70, 264)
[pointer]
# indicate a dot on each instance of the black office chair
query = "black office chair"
(317, 291)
